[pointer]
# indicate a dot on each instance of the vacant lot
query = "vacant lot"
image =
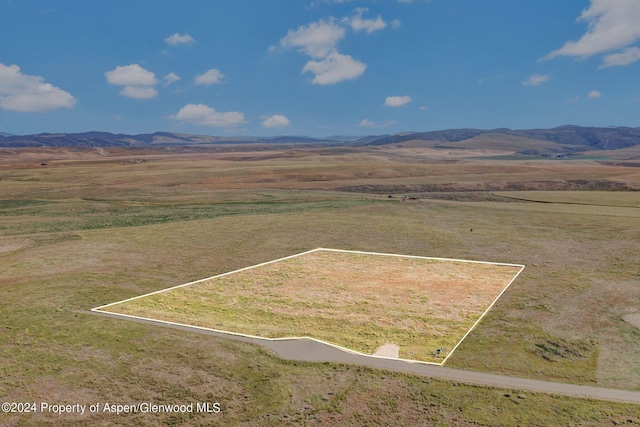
(92, 228)
(355, 300)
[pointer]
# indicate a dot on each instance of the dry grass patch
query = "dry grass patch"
(356, 300)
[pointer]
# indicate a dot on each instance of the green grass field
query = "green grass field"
(77, 235)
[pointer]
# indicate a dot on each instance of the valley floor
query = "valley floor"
(95, 226)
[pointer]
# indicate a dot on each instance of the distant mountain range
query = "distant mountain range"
(106, 139)
(563, 139)
(559, 140)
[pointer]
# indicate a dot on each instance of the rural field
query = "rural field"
(358, 301)
(81, 228)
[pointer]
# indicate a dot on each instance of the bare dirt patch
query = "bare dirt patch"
(355, 300)
(387, 350)
(12, 244)
(633, 319)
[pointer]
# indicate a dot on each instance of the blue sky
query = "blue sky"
(317, 68)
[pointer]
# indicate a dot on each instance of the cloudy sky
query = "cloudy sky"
(316, 67)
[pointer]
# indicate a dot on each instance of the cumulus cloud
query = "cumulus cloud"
(536, 79)
(209, 77)
(137, 82)
(131, 75)
(29, 94)
(358, 23)
(594, 94)
(334, 68)
(170, 78)
(203, 115)
(625, 57)
(369, 123)
(317, 39)
(397, 101)
(139, 92)
(176, 39)
(612, 25)
(276, 121)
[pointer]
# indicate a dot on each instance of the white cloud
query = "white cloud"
(357, 23)
(612, 25)
(203, 115)
(594, 94)
(28, 94)
(369, 123)
(170, 78)
(137, 82)
(625, 57)
(209, 77)
(396, 23)
(334, 68)
(131, 75)
(276, 121)
(397, 101)
(176, 39)
(536, 79)
(139, 92)
(317, 39)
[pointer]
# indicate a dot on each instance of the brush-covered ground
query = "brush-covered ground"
(359, 301)
(94, 227)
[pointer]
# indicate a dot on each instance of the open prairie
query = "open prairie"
(95, 226)
(359, 301)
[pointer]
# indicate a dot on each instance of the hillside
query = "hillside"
(559, 140)
(106, 139)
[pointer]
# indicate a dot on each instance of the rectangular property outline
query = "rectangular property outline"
(231, 333)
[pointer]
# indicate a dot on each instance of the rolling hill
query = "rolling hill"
(106, 139)
(559, 141)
